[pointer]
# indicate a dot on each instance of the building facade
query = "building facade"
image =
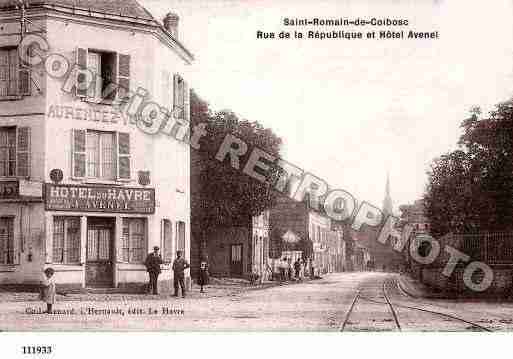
(415, 215)
(240, 251)
(84, 187)
(316, 239)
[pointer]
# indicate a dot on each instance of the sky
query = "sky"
(351, 111)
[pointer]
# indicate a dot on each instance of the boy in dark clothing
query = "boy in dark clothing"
(203, 275)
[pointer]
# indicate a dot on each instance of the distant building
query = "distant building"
(316, 240)
(240, 250)
(415, 215)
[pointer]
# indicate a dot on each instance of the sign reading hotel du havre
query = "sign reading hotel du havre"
(99, 199)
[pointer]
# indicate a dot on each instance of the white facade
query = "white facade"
(55, 116)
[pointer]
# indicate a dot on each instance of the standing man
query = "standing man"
(297, 268)
(179, 265)
(152, 263)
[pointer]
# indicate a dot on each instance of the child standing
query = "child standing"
(48, 292)
(203, 275)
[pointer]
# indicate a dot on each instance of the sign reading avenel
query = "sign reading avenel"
(99, 199)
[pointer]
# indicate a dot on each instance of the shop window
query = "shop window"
(167, 240)
(134, 240)
(180, 236)
(14, 151)
(7, 240)
(101, 155)
(66, 240)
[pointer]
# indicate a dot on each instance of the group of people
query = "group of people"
(293, 271)
(153, 263)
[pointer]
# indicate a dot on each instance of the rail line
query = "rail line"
(392, 308)
(387, 302)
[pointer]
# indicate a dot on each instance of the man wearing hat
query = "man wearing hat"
(152, 263)
(179, 266)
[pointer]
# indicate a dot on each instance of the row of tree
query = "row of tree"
(471, 189)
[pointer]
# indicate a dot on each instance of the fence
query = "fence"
(491, 248)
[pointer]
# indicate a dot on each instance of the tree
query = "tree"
(224, 195)
(471, 189)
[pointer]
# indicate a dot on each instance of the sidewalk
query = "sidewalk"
(218, 287)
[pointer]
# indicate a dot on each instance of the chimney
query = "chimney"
(171, 24)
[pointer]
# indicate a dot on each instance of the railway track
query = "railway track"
(372, 310)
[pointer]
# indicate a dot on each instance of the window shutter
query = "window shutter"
(78, 158)
(81, 61)
(13, 73)
(178, 93)
(24, 82)
(23, 152)
(24, 85)
(186, 108)
(124, 155)
(123, 76)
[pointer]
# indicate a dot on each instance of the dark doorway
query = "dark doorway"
(236, 267)
(100, 248)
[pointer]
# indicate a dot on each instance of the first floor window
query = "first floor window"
(8, 72)
(180, 236)
(7, 151)
(134, 240)
(100, 155)
(66, 240)
(167, 240)
(6, 240)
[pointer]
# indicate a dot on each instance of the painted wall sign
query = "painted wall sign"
(99, 199)
(21, 190)
(30, 189)
(86, 114)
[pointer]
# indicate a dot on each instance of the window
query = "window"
(133, 240)
(14, 151)
(180, 228)
(112, 74)
(6, 240)
(66, 240)
(14, 79)
(8, 152)
(101, 155)
(103, 65)
(167, 240)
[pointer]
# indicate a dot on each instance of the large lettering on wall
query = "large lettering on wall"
(99, 199)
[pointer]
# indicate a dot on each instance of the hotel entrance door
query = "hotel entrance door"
(100, 248)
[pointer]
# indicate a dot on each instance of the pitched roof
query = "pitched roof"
(126, 8)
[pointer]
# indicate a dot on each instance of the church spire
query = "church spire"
(387, 202)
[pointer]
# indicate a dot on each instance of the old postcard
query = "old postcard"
(255, 166)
